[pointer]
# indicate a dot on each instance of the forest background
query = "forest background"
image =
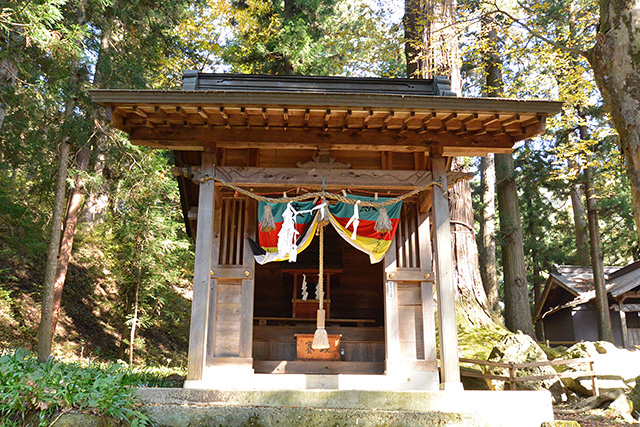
(127, 288)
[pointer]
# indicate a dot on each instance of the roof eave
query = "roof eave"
(107, 97)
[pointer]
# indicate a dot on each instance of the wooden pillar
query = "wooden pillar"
(448, 332)
(248, 283)
(391, 324)
(428, 321)
(623, 327)
(201, 276)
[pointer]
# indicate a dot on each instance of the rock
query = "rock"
(75, 419)
(621, 407)
(521, 348)
(472, 383)
(634, 396)
(560, 423)
(616, 368)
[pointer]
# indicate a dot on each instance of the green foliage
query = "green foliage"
(308, 37)
(35, 392)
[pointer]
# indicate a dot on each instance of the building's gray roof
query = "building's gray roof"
(578, 280)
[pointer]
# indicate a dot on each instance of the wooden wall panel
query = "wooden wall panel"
(411, 333)
(227, 319)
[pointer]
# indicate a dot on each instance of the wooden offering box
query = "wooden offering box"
(306, 352)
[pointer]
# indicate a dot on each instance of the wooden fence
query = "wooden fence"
(513, 367)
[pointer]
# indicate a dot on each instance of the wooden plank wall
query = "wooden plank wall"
(227, 326)
(410, 320)
(634, 337)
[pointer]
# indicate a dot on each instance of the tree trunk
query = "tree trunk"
(466, 269)
(431, 49)
(582, 247)
(516, 292)
(487, 249)
(615, 60)
(73, 210)
(8, 76)
(134, 322)
(431, 42)
(45, 329)
(605, 332)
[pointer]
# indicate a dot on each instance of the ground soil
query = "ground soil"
(596, 418)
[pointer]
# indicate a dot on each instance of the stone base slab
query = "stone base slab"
(183, 407)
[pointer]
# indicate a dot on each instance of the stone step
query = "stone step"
(196, 407)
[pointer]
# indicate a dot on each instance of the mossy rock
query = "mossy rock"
(634, 396)
(560, 423)
(75, 419)
(521, 348)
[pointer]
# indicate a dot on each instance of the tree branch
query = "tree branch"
(537, 34)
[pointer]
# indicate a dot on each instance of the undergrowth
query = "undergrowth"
(33, 393)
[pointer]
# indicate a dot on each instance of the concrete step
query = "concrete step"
(333, 408)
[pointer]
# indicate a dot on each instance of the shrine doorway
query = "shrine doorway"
(353, 299)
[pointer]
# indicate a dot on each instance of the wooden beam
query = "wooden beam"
(298, 138)
(339, 178)
(444, 279)
(201, 280)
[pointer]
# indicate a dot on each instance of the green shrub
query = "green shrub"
(33, 393)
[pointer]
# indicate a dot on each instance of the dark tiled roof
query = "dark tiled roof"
(194, 80)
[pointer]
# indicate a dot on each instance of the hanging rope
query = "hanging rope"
(322, 194)
(320, 337)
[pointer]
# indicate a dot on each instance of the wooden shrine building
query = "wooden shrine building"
(284, 136)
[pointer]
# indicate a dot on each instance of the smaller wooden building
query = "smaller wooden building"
(567, 308)
(284, 135)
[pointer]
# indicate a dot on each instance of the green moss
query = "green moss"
(477, 343)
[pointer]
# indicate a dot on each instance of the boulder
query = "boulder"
(616, 368)
(621, 407)
(634, 396)
(521, 348)
(76, 419)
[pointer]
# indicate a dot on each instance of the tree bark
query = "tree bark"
(45, 329)
(605, 332)
(516, 292)
(615, 60)
(431, 42)
(466, 269)
(8, 76)
(579, 219)
(431, 49)
(71, 220)
(487, 250)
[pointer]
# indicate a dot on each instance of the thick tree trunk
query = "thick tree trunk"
(466, 269)
(487, 248)
(45, 330)
(71, 220)
(579, 219)
(431, 42)
(615, 60)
